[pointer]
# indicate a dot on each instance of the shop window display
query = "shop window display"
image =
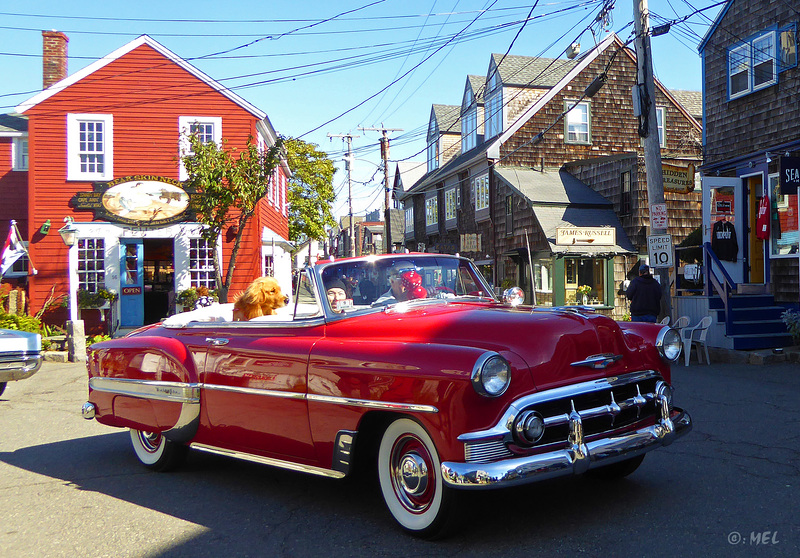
(580, 273)
(783, 220)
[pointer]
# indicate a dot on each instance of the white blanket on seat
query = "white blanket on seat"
(214, 313)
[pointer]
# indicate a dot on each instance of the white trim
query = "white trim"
(125, 49)
(73, 155)
(493, 151)
(16, 146)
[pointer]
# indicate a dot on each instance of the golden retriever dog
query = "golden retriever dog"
(260, 298)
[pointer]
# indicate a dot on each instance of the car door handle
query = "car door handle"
(217, 341)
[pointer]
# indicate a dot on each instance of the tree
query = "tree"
(310, 190)
(229, 184)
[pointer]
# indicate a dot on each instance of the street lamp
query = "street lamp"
(68, 232)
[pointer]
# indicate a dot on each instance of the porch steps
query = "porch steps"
(755, 321)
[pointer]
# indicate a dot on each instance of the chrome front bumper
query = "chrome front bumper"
(19, 366)
(577, 459)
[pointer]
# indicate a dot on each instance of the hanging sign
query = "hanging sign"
(790, 175)
(678, 179)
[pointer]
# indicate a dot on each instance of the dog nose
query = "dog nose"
(286, 299)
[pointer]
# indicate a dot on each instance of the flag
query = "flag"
(12, 249)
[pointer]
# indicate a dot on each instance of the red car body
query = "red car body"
(310, 391)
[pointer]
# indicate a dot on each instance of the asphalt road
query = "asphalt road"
(71, 487)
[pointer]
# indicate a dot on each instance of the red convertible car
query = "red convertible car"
(409, 362)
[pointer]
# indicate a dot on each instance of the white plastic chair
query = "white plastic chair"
(695, 336)
(681, 322)
(665, 321)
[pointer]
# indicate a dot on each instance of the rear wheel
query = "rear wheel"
(618, 470)
(156, 452)
(410, 475)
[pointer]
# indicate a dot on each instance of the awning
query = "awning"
(558, 199)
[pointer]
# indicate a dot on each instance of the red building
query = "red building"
(103, 161)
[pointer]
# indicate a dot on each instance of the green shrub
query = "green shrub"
(95, 300)
(20, 323)
(792, 320)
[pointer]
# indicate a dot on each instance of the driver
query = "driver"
(336, 294)
(405, 283)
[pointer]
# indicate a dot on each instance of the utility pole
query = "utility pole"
(348, 161)
(648, 129)
(387, 190)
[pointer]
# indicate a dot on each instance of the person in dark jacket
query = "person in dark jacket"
(644, 293)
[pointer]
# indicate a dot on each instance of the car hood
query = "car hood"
(549, 341)
(19, 341)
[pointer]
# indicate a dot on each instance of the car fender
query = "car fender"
(430, 382)
(148, 383)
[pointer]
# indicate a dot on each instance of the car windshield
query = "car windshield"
(374, 282)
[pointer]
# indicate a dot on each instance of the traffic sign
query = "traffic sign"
(659, 248)
(658, 216)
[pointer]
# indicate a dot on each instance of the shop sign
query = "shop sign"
(131, 291)
(586, 236)
(790, 175)
(470, 243)
(659, 249)
(140, 200)
(678, 179)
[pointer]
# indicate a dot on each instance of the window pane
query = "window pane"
(783, 222)
(739, 67)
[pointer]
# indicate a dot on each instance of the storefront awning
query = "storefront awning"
(559, 200)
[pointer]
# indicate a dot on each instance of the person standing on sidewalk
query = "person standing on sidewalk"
(644, 293)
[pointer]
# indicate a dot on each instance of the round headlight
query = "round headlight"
(491, 375)
(529, 427)
(514, 296)
(669, 344)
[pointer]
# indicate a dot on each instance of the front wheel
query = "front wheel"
(410, 476)
(156, 452)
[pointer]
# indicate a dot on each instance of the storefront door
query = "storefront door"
(131, 300)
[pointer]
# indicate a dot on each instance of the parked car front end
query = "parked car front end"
(20, 355)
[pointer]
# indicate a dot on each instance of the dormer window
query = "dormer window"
(494, 104)
(433, 145)
(469, 120)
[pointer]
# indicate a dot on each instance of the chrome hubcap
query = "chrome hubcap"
(413, 474)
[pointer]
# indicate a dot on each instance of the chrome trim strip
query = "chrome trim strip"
(577, 458)
(388, 405)
(505, 424)
(255, 391)
(19, 366)
(268, 461)
(177, 392)
(598, 361)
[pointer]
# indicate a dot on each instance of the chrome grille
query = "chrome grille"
(486, 452)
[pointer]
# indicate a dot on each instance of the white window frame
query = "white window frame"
(661, 114)
(433, 155)
(450, 204)
(201, 268)
(431, 211)
(74, 171)
(19, 153)
(409, 225)
(184, 145)
(91, 264)
(481, 185)
(493, 106)
(745, 56)
(469, 121)
(574, 122)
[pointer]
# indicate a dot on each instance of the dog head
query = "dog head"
(260, 298)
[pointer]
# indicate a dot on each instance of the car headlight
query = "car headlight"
(491, 375)
(528, 428)
(669, 344)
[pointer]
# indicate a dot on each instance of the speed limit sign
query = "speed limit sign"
(659, 248)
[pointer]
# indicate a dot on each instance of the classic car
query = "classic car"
(407, 363)
(20, 355)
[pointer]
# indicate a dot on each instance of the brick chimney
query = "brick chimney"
(54, 57)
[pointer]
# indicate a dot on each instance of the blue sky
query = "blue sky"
(375, 62)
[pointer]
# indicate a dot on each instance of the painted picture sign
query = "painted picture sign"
(141, 200)
(678, 179)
